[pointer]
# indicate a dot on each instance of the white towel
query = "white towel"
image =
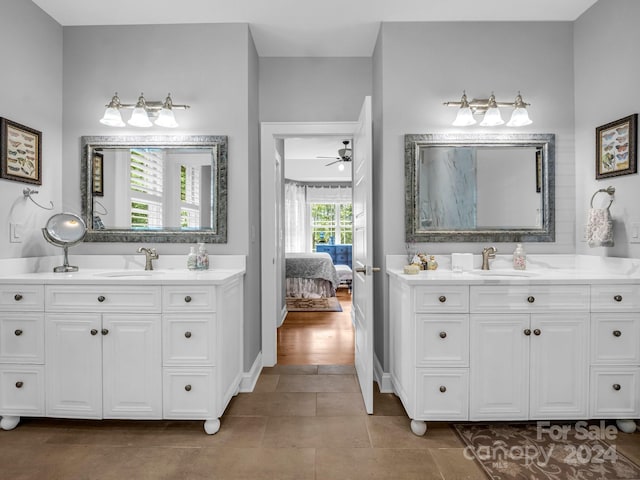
(599, 228)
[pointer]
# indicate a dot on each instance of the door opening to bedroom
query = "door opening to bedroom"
(318, 232)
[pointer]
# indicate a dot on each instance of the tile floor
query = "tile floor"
(301, 422)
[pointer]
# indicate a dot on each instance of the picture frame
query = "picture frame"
(616, 148)
(20, 153)
(538, 171)
(97, 174)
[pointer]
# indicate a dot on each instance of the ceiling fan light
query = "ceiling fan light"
(341, 166)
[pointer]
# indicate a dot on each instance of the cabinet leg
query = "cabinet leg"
(212, 426)
(9, 422)
(418, 427)
(626, 425)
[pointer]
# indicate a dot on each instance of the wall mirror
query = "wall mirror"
(479, 187)
(155, 188)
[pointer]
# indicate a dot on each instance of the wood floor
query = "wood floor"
(318, 338)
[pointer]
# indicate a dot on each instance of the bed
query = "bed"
(310, 275)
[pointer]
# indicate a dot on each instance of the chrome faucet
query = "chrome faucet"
(150, 254)
(487, 253)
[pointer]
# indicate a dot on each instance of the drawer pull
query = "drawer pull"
(101, 299)
(527, 331)
(187, 388)
(17, 297)
(187, 334)
(618, 298)
(442, 298)
(531, 299)
(443, 334)
(105, 331)
(443, 388)
(18, 332)
(19, 384)
(94, 331)
(187, 298)
(616, 386)
(537, 331)
(617, 333)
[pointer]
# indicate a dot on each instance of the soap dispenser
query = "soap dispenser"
(203, 258)
(519, 258)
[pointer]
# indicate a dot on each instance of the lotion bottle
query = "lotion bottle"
(519, 258)
(192, 259)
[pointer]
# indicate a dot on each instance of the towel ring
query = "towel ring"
(609, 190)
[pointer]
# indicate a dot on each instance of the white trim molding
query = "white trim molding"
(382, 379)
(250, 378)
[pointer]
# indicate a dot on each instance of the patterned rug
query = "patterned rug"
(324, 304)
(548, 451)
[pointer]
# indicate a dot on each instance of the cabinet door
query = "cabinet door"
(73, 352)
(559, 366)
(499, 367)
(132, 366)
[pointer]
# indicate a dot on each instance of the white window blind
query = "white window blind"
(328, 194)
(146, 184)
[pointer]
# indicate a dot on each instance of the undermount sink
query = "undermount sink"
(128, 273)
(501, 273)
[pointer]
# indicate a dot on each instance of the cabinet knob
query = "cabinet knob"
(187, 334)
(618, 298)
(537, 331)
(18, 332)
(443, 388)
(187, 388)
(94, 331)
(17, 297)
(527, 331)
(617, 333)
(442, 298)
(19, 384)
(616, 386)
(443, 334)
(531, 299)
(187, 298)
(105, 331)
(101, 299)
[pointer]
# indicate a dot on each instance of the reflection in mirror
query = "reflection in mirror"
(158, 189)
(479, 188)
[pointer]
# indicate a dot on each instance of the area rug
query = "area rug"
(324, 304)
(547, 451)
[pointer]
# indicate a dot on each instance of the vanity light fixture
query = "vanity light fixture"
(490, 108)
(142, 110)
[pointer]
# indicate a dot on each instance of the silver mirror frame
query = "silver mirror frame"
(164, 235)
(545, 141)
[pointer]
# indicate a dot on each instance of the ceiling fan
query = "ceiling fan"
(344, 155)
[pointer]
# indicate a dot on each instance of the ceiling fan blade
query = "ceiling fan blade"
(337, 161)
(337, 158)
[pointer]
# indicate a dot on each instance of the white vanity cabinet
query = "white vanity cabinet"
(22, 389)
(166, 348)
(531, 364)
(615, 352)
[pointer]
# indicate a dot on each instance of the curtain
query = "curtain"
(296, 222)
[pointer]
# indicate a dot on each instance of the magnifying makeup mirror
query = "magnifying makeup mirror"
(64, 230)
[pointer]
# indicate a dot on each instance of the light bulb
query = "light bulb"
(341, 166)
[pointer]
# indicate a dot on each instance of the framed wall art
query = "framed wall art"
(98, 177)
(20, 152)
(616, 148)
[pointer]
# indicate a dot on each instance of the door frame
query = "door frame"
(272, 297)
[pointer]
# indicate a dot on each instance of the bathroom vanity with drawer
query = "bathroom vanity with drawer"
(542, 345)
(99, 344)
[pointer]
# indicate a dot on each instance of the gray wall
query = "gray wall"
(420, 65)
(607, 68)
(31, 94)
(211, 67)
(313, 89)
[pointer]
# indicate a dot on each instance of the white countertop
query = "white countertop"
(541, 270)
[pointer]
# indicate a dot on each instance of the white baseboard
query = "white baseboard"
(383, 379)
(249, 379)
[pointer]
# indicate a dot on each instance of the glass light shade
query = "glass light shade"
(519, 118)
(492, 118)
(341, 166)
(139, 118)
(464, 118)
(112, 118)
(166, 119)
